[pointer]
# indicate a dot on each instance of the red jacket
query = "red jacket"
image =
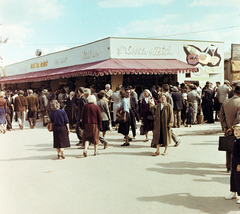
(91, 113)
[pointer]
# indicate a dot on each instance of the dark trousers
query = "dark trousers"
(209, 114)
(228, 160)
(9, 120)
(177, 118)
(235, 176)
(32, 117)
(133, 122)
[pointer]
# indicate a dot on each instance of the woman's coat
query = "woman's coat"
(166, 121)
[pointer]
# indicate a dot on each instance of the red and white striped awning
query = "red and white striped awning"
(106, 67)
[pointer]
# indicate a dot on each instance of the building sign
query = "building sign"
(41, 64)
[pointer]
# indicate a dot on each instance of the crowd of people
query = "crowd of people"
(160, 109)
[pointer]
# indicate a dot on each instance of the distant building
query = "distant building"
(140, 62)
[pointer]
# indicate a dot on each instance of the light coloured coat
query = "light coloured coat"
(104, 110)
(166, 121)
(230, 112)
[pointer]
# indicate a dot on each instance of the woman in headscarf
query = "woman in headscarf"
(147, 102)
(162, 125)
(71, 108)
(60, 128)
(3, 110)
(91, 124)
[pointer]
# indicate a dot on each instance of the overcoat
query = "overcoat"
(166, 121)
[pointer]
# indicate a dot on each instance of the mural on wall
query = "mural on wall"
(209, 57)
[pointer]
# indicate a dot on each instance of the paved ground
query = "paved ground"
(191, 179)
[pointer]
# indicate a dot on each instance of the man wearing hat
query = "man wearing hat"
(20, 107)
(223, 91)
(43, 104)
(9, 113)
(177, 106)
(230, 116)
(32, 108)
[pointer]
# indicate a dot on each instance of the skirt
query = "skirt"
(147, 124)
(91, 133)
(2, 115)
(60, 137)
(124, 127)
(105, 126)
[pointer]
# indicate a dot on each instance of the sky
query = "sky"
(55, 25)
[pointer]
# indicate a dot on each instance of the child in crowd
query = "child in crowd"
(235, 172)
(189, 114)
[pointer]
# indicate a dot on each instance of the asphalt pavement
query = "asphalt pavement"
(191, 179)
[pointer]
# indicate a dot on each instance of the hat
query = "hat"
(44, 91)
(226, 82)
(237, 89)
(2, 93)
(8, 92)
(237, 125)
(21, 92)
(174, 89)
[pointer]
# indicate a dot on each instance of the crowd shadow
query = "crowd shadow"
(43, 157)
(201, 132)
(211, 205)
(221, 180)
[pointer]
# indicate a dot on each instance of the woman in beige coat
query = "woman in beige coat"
(162, 125)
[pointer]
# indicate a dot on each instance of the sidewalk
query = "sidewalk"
(191, 179)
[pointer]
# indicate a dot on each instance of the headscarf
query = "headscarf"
(150, 94)
(71, 95)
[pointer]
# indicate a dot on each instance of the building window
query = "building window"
(187, 75)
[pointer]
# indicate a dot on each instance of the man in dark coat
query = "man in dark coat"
(208, 96)
(33, 106)
(9, 112)
(177, 107)
(20, 107)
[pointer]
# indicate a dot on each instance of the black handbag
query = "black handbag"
(122, 115)
(226, 143)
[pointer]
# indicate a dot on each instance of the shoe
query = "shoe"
(134, 137)
(62, 156)
(59, 156)
(125, 144)
(146, 140)
(129, 139)
(96, 153)
(4, 131)
(233, 195)
(79, 144)
(164, 153)
(85, 153)
(105, 145)
(238, 202)
(156, 154)
(177, 143)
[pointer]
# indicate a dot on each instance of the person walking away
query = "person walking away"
(9, 112)
(177, 107)
(229, 116)
(33, 106)
(124, 127)
(185, 105)
(20, 107)
(91, 124)
(162, 125)
(189, 115)
(105, 114)
(208, 96)
(61, 128)
(43, 101)
(3, 110)
(61, 99)
(193, 96)
(223, 91)
(71, 109)
(83, 95)
(235, 172)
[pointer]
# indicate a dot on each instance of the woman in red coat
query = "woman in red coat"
(91, 124)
